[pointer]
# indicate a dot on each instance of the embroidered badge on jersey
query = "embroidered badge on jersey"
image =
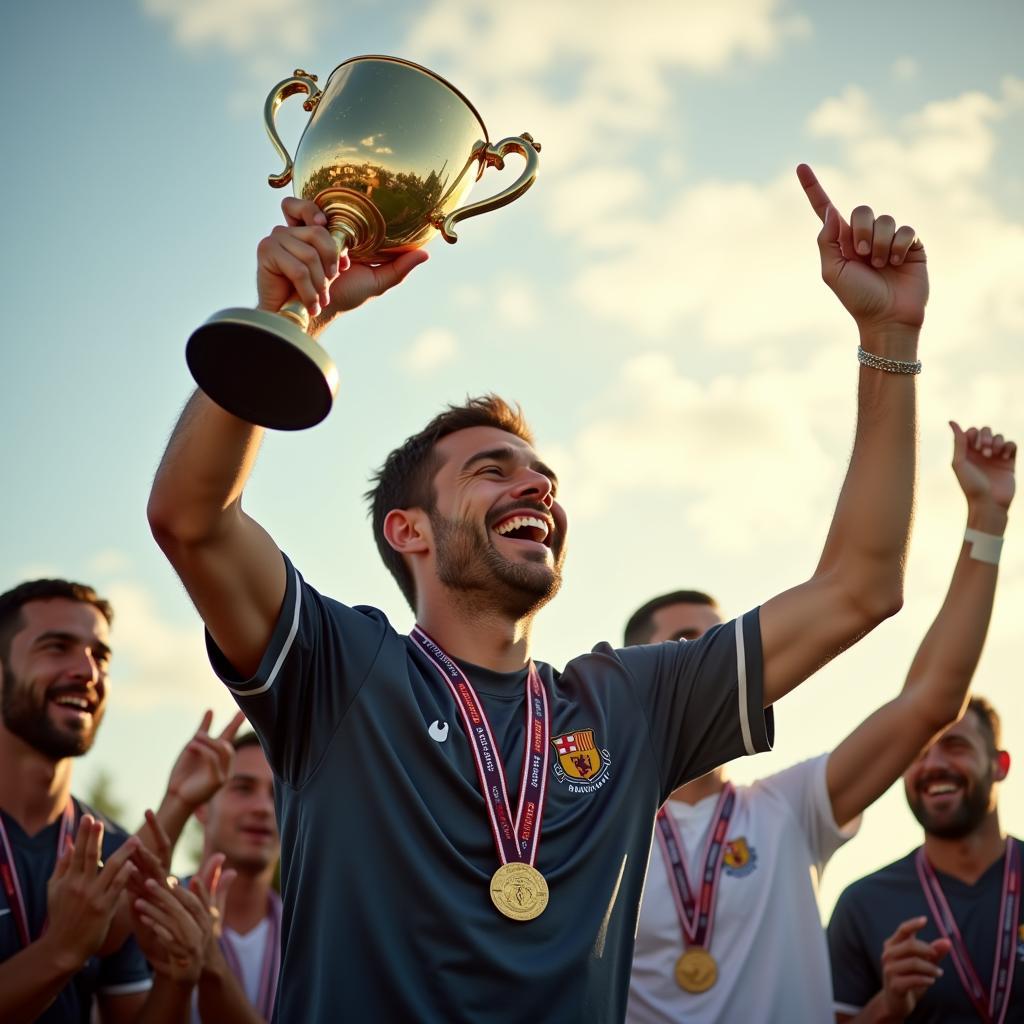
(739, 858)
(581, 765)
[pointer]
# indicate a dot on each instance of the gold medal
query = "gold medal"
(519, 891)
(696, 970)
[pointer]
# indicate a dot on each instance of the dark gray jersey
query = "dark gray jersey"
(873, 907)
(123, 972)
(386, 849)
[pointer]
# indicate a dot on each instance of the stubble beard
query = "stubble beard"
(29, 720)
(473, 569)
(974, 807)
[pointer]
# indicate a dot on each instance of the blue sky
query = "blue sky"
(654, 303)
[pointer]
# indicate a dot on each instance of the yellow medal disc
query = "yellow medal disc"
(696, 970)
(519, 891)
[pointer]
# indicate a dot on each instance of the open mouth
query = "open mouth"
(936, 789)
(525, 526)
(76, 704)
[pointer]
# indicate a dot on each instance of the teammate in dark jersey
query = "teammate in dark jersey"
(388, 842)
(892, 960)
(58, 900)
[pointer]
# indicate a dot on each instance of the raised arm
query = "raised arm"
(880, 276)
(229, 564)
(934, 695)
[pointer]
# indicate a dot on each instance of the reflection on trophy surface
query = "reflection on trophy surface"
(388, 153)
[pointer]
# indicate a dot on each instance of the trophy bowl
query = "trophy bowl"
(389, 152)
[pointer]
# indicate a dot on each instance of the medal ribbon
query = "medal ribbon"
(516, 840)
(270, 965)
(993, 1009)
(9, 871)
(696, 914)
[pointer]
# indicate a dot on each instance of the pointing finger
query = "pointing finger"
(959, 442)
(816, 195)
(204, 725)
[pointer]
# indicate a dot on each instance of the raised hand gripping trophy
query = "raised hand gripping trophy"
(388, 153)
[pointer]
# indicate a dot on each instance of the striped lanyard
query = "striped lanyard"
(696, 911)
(9, 871)
(516, 839)
(993, 1009)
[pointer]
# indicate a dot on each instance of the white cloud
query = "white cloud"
(244, 27)
(429, 351)
(753, 242)
(613, 71)
(904, 69)
(155, 661)
(517, 303)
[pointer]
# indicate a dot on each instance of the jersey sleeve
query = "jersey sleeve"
(125, 972)
(856, 971)
(703, 699)
(319, 656)
(804, 787)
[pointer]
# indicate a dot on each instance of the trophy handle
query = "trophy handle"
(301, 81)
(494, 156)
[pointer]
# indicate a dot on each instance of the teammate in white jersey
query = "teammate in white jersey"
(757, 855)
(239, 980)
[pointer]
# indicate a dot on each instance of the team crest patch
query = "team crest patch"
(580, 765)
(739, 857)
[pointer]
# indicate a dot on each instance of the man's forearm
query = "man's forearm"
(867, 541)
(31, 980)
(221, 997)
(945, 662)
(876, 1012)
(207, 463)
(168, 1002)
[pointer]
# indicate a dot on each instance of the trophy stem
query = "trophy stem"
(264, 367)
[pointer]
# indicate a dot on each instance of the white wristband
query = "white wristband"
(985, 547)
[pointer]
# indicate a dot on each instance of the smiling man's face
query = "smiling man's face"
(54, 677)
(239, 820)
(950, 786)
(498, 530)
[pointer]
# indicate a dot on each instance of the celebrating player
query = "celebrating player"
(414, 888)
(756, 853)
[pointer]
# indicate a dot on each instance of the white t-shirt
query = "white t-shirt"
(767, 940)
(249, 949)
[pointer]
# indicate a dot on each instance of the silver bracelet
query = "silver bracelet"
(889, 365)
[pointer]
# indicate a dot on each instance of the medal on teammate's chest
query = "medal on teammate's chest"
(9, 871)
(517, 888)
(993, 1009)
(696, 970)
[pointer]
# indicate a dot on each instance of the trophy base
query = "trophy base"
(262, 368)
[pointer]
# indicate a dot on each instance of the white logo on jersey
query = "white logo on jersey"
(438, 731)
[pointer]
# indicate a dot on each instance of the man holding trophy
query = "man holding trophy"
(464, 830)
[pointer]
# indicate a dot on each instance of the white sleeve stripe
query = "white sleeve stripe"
(741, 676)
(285, 648)
(847, 1008)
(128, 987)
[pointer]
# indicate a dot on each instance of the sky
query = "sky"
(654, 302)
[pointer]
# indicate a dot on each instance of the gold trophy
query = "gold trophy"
(388, 153)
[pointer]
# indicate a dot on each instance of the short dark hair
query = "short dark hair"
(640, 627)
(246, 739)
(406, 478)
(12, 601)
(991, 723)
